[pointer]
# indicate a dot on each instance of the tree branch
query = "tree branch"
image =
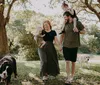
(99, 1)
(79, 11)
(2, 2)
(88, 11)
(82, 1)
(90, 2)
(92, 9)
(72, 1)
(8, 13)
(89, 19)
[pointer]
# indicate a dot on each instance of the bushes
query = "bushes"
(28, 47)
(84, 49)
(21, 42)
(23, 45)
(28, 54)
(91, 40)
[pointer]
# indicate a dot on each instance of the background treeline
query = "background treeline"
(23, 24)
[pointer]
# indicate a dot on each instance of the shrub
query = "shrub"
(84, 49)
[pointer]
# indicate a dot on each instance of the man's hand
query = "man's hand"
(82, 32)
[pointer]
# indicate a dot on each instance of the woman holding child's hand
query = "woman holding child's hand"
(48, 54)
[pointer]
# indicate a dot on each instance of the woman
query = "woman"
(48, 54)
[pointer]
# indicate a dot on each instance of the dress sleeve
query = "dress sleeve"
(54, 32)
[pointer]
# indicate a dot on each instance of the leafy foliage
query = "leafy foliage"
(24, 24)
(21, 41)
(91, 40)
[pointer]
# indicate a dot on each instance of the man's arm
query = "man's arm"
(82, 31)
(81, 28)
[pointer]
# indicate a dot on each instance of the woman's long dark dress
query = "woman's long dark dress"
(51, 65)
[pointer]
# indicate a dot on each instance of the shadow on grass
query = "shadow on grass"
(23, 70)
(94, 68)
(28, 74)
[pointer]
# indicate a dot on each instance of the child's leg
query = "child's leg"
(42, 44)
(75, 27)
(75, 22)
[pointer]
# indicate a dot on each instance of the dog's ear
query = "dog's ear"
(0, 69)
(3, 67)
(9, 70)
(0, 76)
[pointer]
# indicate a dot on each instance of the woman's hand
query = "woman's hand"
(60, 49)
(58, 43)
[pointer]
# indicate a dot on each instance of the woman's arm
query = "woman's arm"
(61, 38)
(57, 42)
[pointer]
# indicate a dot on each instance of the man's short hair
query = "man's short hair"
(67, 14)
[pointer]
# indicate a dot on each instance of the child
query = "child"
(72, 11)
(39, 37)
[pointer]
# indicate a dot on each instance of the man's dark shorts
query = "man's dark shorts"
(70, 54)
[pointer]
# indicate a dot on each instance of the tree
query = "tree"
(3, 21)
(5, 5)
(90, 6)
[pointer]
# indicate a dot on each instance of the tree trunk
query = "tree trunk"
(3, 37)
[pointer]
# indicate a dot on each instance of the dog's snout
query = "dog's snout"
(4, 74)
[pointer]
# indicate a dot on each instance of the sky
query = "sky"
(42, 6)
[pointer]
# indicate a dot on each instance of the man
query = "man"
(66, 8)
(71, 42)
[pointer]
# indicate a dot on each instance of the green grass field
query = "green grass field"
(28, 74)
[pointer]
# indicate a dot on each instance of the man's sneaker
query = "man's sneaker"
(69, 80)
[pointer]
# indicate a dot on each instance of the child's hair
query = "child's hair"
(64, 4)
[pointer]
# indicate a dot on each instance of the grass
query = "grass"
(28, 74)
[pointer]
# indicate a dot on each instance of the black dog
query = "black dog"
(7, 67)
